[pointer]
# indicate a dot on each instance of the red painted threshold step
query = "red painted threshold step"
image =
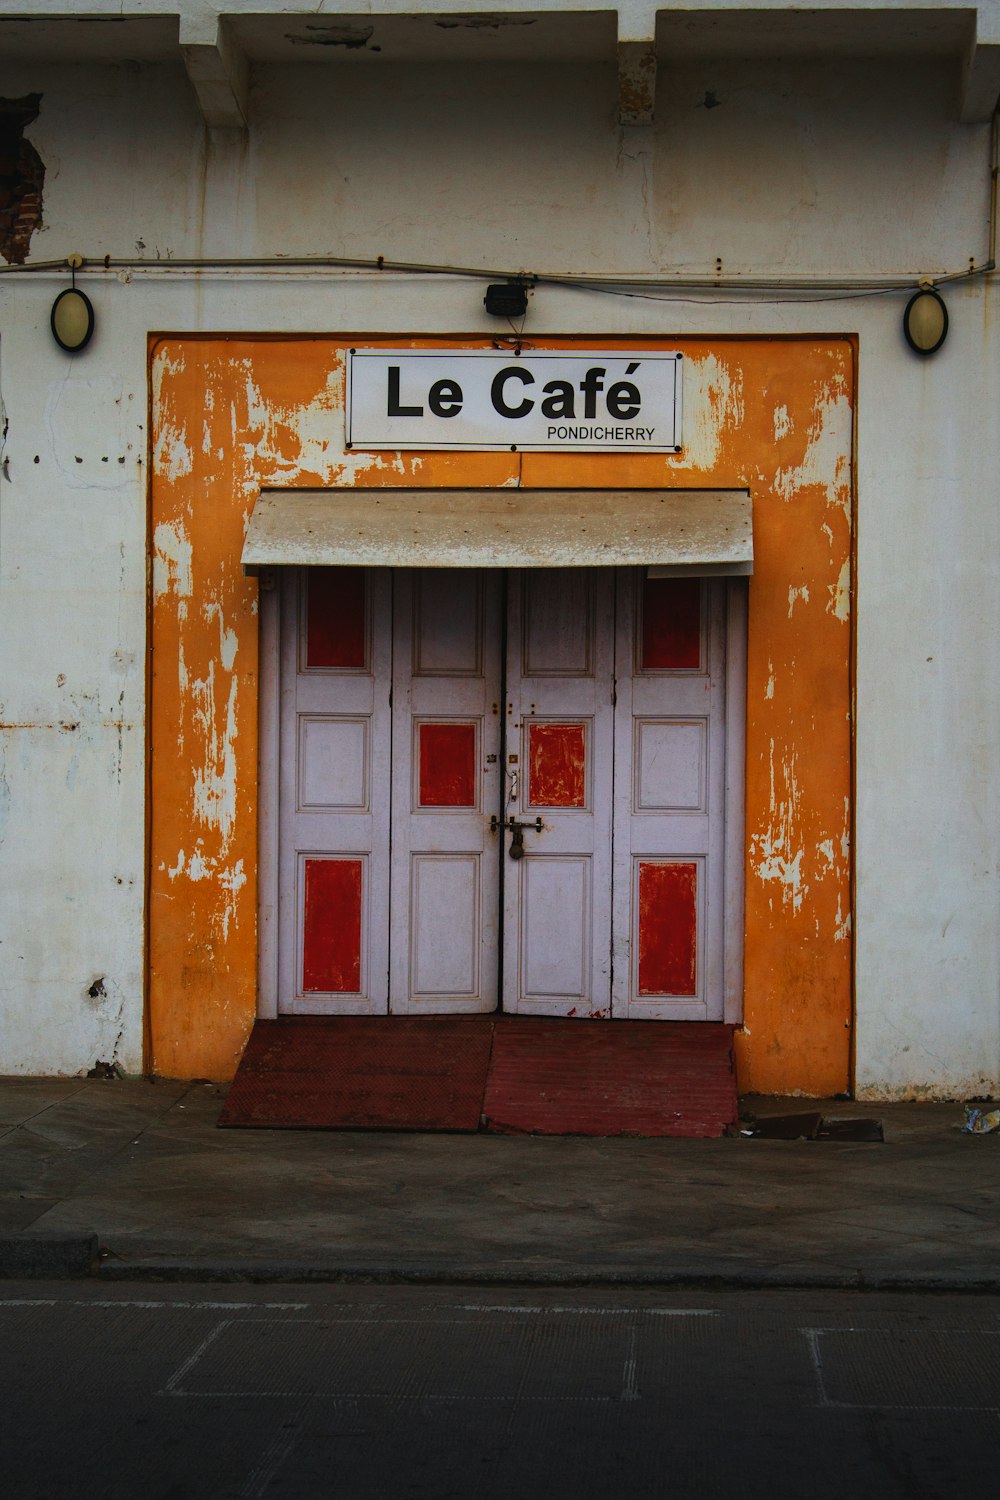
(506, 1074)
(641, 1078)
(363, 1073)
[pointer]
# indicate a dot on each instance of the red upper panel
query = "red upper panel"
(557, 765)
(671, 625)
(447, 765)
(335, 618)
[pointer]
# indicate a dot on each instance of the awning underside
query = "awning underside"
(687, 531)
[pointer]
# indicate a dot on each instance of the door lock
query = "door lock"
(516, 850)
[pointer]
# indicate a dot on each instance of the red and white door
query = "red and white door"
(559, 754)
(444, 873)
(521, 788)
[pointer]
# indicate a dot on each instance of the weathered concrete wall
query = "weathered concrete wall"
(799, 167)
(839, 168)
(928, 792)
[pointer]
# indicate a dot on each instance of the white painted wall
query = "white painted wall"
(848, 168)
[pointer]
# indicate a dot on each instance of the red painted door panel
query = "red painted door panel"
(447, 764)
(557, 765)
(671, 635)
(335, 633)
(331, 937)
(667, 928)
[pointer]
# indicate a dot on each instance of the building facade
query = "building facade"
(602, 722)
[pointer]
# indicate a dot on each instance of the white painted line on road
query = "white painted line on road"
(630, 1382)
(604, 1312)
(275, 1454)
(811, 1336)
(194, 1358)
(383, 1396)
(182, 1306)
(682, 1312)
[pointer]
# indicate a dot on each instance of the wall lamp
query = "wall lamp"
(506, 299)
(925, 321)
(72, 317)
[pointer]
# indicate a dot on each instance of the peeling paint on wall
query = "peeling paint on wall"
(235, 416)
(827, 460)
(214, 787)
(171, 561)
(713, 403)
(172, 456)
(776, 853)
(840, 593)
(229, 878)
(795, 594)
(22, 178)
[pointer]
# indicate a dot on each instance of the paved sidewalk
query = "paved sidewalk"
(129, 1178)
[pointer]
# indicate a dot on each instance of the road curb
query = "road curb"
(48, 1257)
(717, 1277)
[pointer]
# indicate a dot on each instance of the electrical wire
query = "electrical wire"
(717, 290)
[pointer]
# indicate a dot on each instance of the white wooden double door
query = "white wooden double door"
(503, 790)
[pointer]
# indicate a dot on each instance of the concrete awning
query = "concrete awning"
(669, 531)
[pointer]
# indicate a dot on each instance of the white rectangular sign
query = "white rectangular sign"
(601, 400)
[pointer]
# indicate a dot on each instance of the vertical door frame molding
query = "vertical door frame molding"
(735, 851)
(268, 794)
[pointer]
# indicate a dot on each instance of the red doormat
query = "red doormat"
(544, 1077)
(641, 1078)
(363, 1073)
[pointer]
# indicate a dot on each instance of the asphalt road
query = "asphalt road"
(366, 1393)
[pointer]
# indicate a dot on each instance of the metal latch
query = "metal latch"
(516, 850)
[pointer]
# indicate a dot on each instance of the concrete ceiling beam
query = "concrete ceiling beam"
(218, 70)
(636, 81)
(636, 63)
(981, 80)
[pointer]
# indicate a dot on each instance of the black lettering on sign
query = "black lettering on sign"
(591, 383)
(445, 398)
(497, 396)
(393, 407)
(559, 399)
(624, 400)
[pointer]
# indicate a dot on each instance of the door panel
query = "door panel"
(554, 899)
(668, 895)
(445, 926)
(559, 744)
(333, 840)
(445, 786)
(669, 833)
(332, 902)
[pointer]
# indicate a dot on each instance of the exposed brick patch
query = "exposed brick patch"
(22, 176)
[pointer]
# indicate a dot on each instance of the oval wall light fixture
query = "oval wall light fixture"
(925, 321)
(72, 316)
